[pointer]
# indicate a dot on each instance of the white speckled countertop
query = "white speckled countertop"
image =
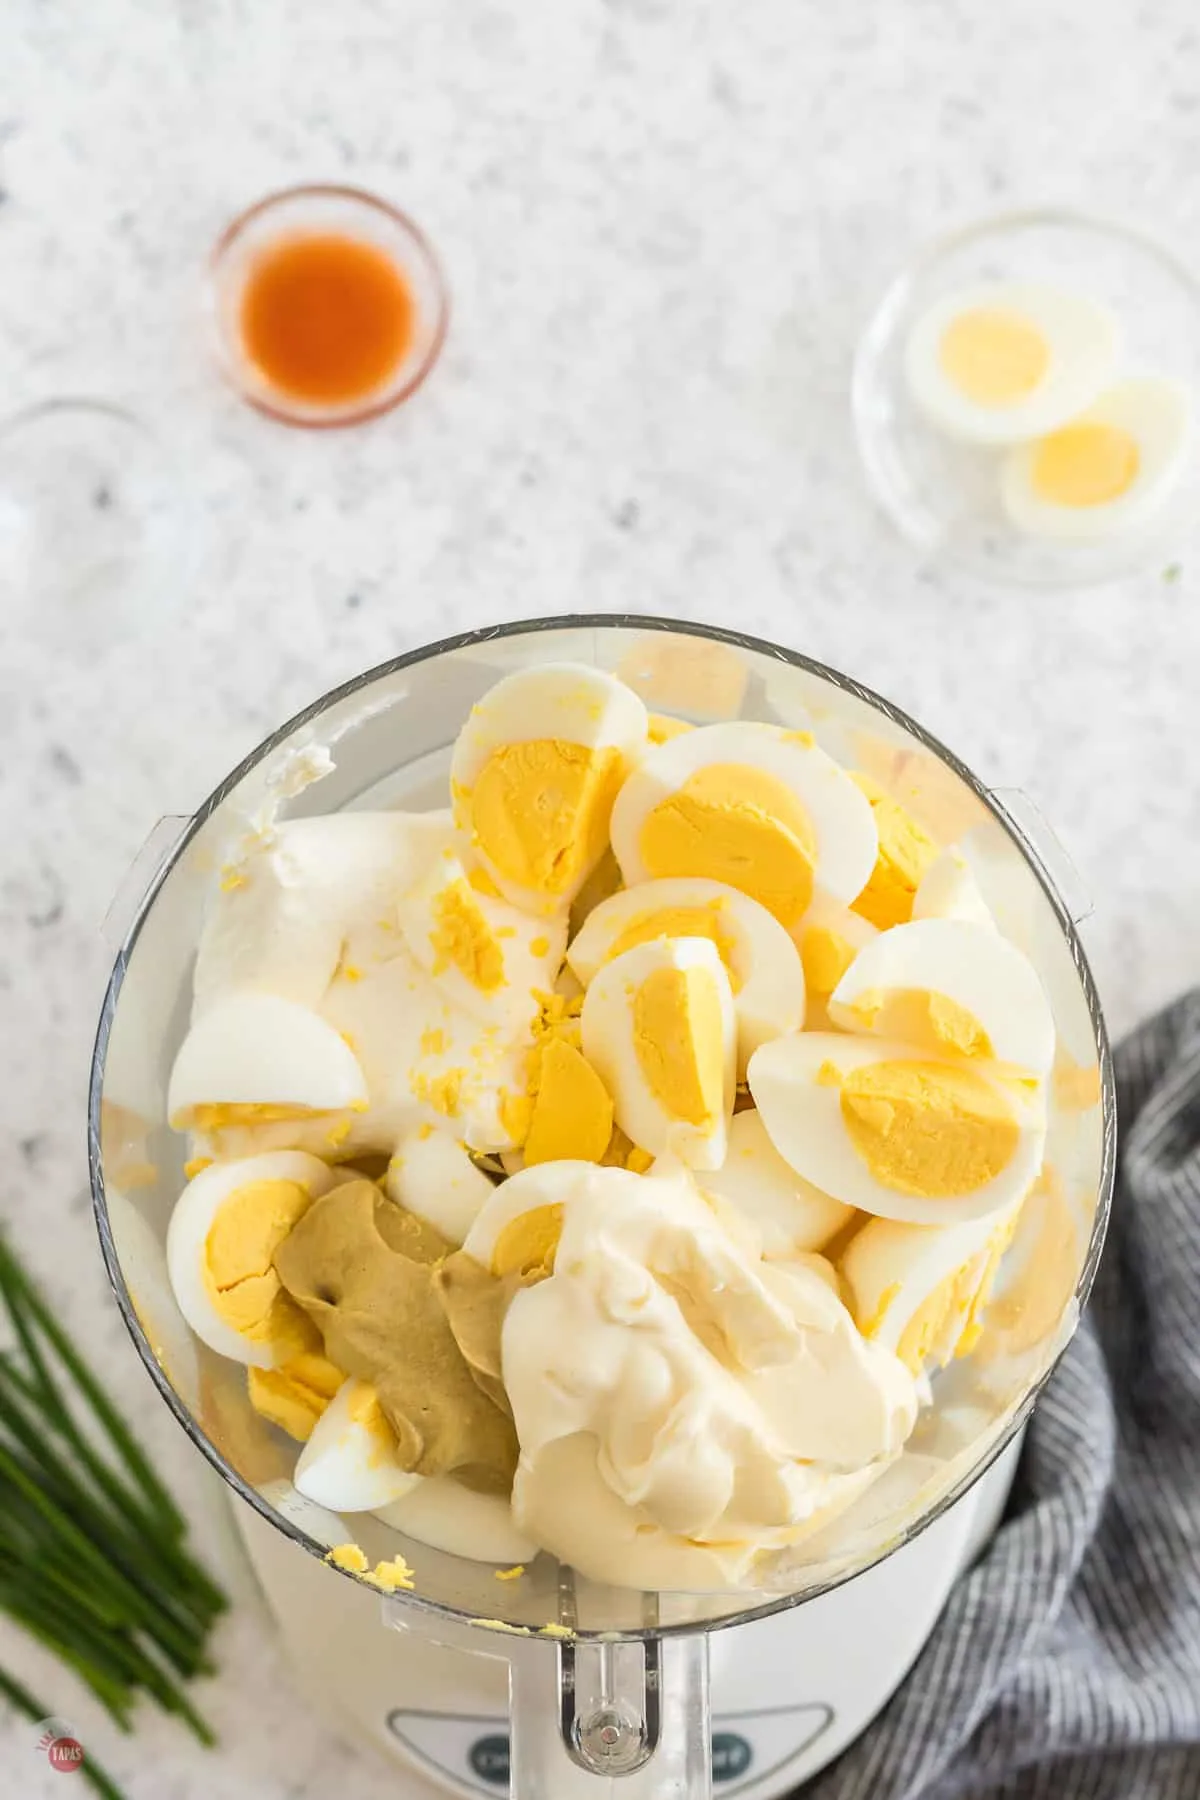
(663, 223)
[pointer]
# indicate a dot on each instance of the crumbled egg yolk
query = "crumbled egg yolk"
(680, 921)
(1088, 463)
(195, 1164)
(513, 1574)
(295, 1395)
(572, 1114)
(223, 1115)
(387, 1576)
(528, 1244)
(740, 825)
(539, 810)
(924, 1018)
(679, 1042)
(825, 956)
(905, 853)
(443, 1092)
(237, 1266)
(661, 728)
(993, 356)
(463, 939)
(928, 1128)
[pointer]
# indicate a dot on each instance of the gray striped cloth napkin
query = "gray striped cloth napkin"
(1066, 1665)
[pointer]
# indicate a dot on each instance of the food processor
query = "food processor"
(554, 1686)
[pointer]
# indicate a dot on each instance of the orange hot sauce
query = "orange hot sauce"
(326, 318)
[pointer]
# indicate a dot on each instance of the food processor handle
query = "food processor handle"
(629, 1720)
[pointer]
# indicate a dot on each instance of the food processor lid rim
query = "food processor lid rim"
(491, 634)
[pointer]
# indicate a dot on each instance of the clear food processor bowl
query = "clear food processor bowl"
(609, 1685)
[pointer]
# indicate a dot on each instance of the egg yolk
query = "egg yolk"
(994, 357)
(572, 1112)
(923, 1018)
(679, 1040)
(677, 922)
(365, 1411)
(528, 1244)
(927, 1128)
(295, 1395)
(741, 825)
(1087, 464)
(941, 1315)
(238, 1271)
(540, 810)
(223, 1115)
(463, 939)
(825, 955)
(661, 727)
(905, 853)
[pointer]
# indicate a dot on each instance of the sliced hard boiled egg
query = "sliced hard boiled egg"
(659, 1027)
(949, 890)
(534, 774)
(517, 1230)
(921, 1290)
(895, 1131)
(905, 852)
(829, 937)
(349, 1463)
(1000, 364)
(758, 808)
(227, 1224)
(251, 1058)
(1105, 471)
(447, 1516)
(760, 958)
(791, 1215)
(951, 987)
(432, 1175)
(487, 957)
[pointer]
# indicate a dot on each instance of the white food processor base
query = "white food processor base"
(789, 1692)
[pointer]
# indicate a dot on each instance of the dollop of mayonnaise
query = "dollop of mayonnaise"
(681, 1405)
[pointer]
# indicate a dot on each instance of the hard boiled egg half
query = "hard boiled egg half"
(1000, 364)
(953, 987)
(535, 771)
(898, 1131)
(1106, 471)
(921, 1290)
(660, 1029)
(251, 1058)
(760, 958)
(226, 1227)
(755, 807)
(349, 1463)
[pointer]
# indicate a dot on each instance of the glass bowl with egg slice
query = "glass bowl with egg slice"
(1025, 400)
(854, 806)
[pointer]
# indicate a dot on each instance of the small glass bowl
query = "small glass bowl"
(943, 495)
(344, 212)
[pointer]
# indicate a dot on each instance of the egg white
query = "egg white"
(608, 1043)
(791, 1216)
(187, 1236)
(1083, 339)
(769, 980)
(1157, 414)
(804, 1121)
(968, 963)
(545, 1184)
(345, 1467)
(847, 841)
(431, 1174)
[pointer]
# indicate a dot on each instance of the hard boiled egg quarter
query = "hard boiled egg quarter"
(1001, 364)
(760, 958)
(255, 1057)
(659, 1028)
(349, 1463)
(1106, 471)
(758, 808)
(534, 774)
(227, 1224)
(920, 1290)
(791, 1215)
(952, 987)
(431, 1174)
(897, 1131)
(949, 890)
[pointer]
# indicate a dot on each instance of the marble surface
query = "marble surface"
(664, 223)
